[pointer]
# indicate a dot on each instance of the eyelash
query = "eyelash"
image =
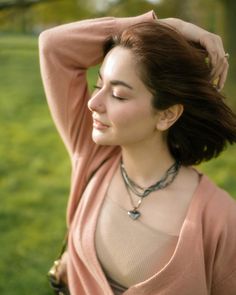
(114, 96)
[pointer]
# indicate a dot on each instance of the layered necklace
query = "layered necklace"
(141, 192)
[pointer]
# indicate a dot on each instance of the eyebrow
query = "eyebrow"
(117, 82)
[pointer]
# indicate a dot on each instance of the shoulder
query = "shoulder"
(219, 235)
(217, 201)
(218, 215)
(216, 211)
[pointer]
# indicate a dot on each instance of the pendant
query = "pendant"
(134, 214)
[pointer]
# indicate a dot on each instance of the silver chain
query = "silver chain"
(141, 192)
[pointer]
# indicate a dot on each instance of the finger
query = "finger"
(217, 59)
(221, 64)
(217, 71)
(213, 59)
(215, 49)
(223, 77)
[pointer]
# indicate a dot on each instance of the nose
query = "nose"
(96, 103)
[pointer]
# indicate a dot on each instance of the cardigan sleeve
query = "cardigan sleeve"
(66, 52)
(225, 263)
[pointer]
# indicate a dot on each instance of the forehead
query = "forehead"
(119, 63)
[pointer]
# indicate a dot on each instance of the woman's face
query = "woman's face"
(121, 103)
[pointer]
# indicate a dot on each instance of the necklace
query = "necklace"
(141, 192)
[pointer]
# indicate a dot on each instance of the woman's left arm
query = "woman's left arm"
(211, 42)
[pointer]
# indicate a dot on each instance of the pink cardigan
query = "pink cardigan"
(204, 261)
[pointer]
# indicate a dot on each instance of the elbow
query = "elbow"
(45, 41)
(49, 41)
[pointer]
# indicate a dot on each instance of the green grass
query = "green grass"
(35, 172)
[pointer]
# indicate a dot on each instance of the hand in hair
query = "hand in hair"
(211, 42)
(214, 46)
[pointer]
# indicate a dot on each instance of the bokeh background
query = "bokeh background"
(34, 166)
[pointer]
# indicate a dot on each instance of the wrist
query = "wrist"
(193, 32)
(188, 30)
(176, 23)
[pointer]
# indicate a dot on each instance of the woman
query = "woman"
(141, 220)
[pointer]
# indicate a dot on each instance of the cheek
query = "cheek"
(132, 120)
(116, 112)
(122, 118)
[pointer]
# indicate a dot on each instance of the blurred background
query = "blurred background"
(34, 166)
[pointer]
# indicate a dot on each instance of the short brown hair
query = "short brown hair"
(175, 71)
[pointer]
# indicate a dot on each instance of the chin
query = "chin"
(101, 139)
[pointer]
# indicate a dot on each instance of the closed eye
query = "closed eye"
(118, 97)
(114, 96)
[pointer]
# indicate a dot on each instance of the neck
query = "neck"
(147, 163)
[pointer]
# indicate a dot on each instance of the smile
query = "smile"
(99, 125)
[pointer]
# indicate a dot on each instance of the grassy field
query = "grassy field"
(35, 172)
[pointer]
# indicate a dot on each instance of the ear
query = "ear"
(169, 116)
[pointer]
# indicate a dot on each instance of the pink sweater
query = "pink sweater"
(204, 261)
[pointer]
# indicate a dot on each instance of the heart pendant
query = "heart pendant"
(134, 214)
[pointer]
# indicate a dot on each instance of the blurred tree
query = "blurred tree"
(28, 15)
(230, 23)
(125, 8)
(163, 8)
(60, 11)
(17, 13)
(18, 3)
(35, 15)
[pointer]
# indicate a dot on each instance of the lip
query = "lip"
(99, 125)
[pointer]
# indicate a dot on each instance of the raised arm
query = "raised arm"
(66, 52)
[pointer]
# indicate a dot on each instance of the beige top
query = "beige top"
(129, 250)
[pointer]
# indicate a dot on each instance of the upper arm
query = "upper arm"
(66, 89)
